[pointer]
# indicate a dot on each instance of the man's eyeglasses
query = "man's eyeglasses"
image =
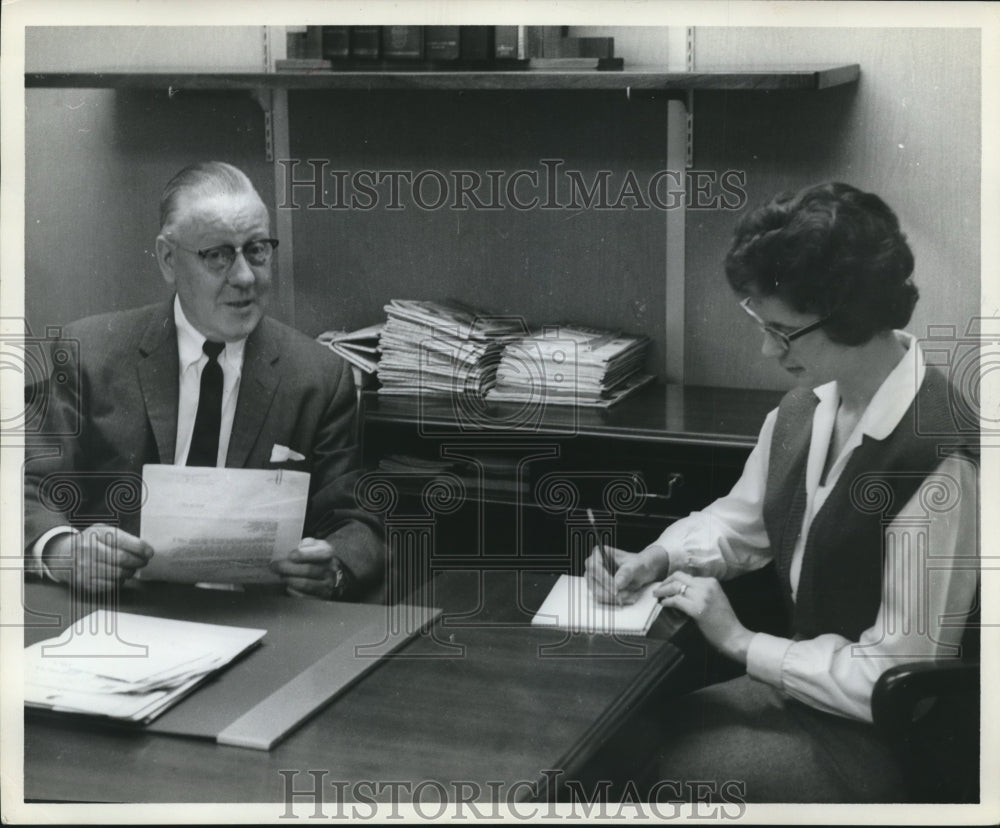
(221, 257)
(780, 338)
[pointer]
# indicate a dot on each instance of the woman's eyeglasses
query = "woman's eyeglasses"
(221, 257)
(780, 338)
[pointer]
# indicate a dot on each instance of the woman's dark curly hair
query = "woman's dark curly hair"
(830, 250)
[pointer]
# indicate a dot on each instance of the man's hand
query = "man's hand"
(97, 558)
(312, 569)
(704, 601)
(633, 570)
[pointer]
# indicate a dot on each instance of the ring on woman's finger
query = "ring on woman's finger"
(683, 589)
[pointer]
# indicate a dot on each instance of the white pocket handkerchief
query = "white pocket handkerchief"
(282, 454)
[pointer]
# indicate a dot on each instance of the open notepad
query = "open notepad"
(571, 606)
(128, 667)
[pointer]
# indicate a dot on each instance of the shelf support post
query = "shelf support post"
(680, 51)
(677, 129)
(277, 146)
(265, 100)
(689, 67)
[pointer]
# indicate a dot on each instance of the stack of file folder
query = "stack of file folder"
(128, 667)
(440, 348)
(571, 365)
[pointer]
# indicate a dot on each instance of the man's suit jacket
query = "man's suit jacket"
(110, 405)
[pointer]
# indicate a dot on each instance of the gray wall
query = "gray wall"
(96, 163)
(909, 132)
(97, 159)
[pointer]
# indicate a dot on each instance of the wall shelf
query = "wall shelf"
(675, 90)
(646, 79)
(722, 418)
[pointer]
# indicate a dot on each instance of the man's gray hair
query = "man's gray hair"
(206, 178)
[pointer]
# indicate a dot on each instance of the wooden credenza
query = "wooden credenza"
(524, 476)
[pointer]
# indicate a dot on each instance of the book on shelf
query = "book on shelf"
(326, 48)
(403, 42)
(543, 41)
(336, 42)
(571, 605)
(441, 42)
(360, 347)
(476, 43)
(366, 42)
(304, 42)
(509, 43)
(126, 666)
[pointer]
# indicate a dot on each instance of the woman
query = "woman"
(835, 492)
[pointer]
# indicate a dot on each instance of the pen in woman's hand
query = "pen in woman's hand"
(606, 558)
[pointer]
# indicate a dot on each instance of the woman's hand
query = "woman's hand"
(633, 570)
(704, 601)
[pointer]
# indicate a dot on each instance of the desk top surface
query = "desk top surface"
(480, 697)
(679, 414)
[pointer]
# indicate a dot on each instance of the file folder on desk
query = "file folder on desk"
(128, 667)
(312, 652)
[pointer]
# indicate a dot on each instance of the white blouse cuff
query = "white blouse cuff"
(765, 655)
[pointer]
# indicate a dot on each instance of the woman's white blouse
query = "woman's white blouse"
(931, 560)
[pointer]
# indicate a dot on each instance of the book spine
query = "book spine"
(505, 43)
(544, 41)
(313, 45)
(336, 42)
(441, 42)
(295, 42)
(402, 42)
(365, 42)
(476, 43)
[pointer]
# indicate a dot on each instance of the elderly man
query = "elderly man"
(204, 379)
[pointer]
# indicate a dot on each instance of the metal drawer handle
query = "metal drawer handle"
(675, 479)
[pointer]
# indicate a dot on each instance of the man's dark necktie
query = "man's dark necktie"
(205, 437)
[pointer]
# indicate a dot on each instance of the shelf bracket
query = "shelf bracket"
(273, 41)
(689, 129)
(689, 66)
(265, 100)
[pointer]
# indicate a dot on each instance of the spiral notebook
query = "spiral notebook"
(571, 606)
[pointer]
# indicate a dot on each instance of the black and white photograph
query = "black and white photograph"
(516, 412)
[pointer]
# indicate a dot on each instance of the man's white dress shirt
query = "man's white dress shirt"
(192, 361)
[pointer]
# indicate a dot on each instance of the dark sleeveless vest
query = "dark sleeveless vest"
(840, 584)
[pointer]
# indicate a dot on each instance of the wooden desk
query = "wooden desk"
(481, 699)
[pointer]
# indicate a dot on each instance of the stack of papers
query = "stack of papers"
(218, 525)
(438, 348)
(571, 365)
(572, 606)
(128, 667)
(360, 348)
